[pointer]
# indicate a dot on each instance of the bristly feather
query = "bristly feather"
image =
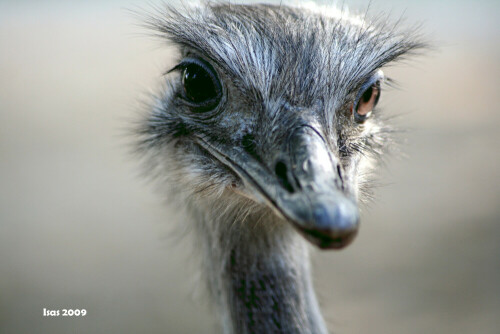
(259, 44)
(277, 64)
(279, 53)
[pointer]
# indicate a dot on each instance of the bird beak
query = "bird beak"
(304, 186)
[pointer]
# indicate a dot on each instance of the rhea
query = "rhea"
(267, 131)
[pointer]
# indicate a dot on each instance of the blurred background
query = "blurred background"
(80, 229)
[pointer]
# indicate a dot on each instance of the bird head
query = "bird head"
(274, 106)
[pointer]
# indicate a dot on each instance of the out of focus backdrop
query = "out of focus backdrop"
(80, 229)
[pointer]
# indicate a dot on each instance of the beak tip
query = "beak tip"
(340, 216)
(333, 226)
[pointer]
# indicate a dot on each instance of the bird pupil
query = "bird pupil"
(367, 94)
(198, 85)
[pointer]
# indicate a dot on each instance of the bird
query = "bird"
(267, 132)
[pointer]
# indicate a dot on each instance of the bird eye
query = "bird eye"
(368, 98)
(201, 87)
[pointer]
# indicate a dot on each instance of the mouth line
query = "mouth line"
(245, 177)
(322, 239)
(236, 168)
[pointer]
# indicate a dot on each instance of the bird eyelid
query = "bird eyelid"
(188, 61)
(377, 76)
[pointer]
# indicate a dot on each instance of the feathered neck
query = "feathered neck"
(258, 271)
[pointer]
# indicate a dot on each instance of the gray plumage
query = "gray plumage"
(249, 170)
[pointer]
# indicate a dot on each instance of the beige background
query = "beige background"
(80, 229)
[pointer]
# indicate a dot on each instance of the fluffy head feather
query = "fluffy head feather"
(276, 62)
(280, 68)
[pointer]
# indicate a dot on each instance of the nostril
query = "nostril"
(282, 174)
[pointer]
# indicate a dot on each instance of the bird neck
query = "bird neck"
(259, 275)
